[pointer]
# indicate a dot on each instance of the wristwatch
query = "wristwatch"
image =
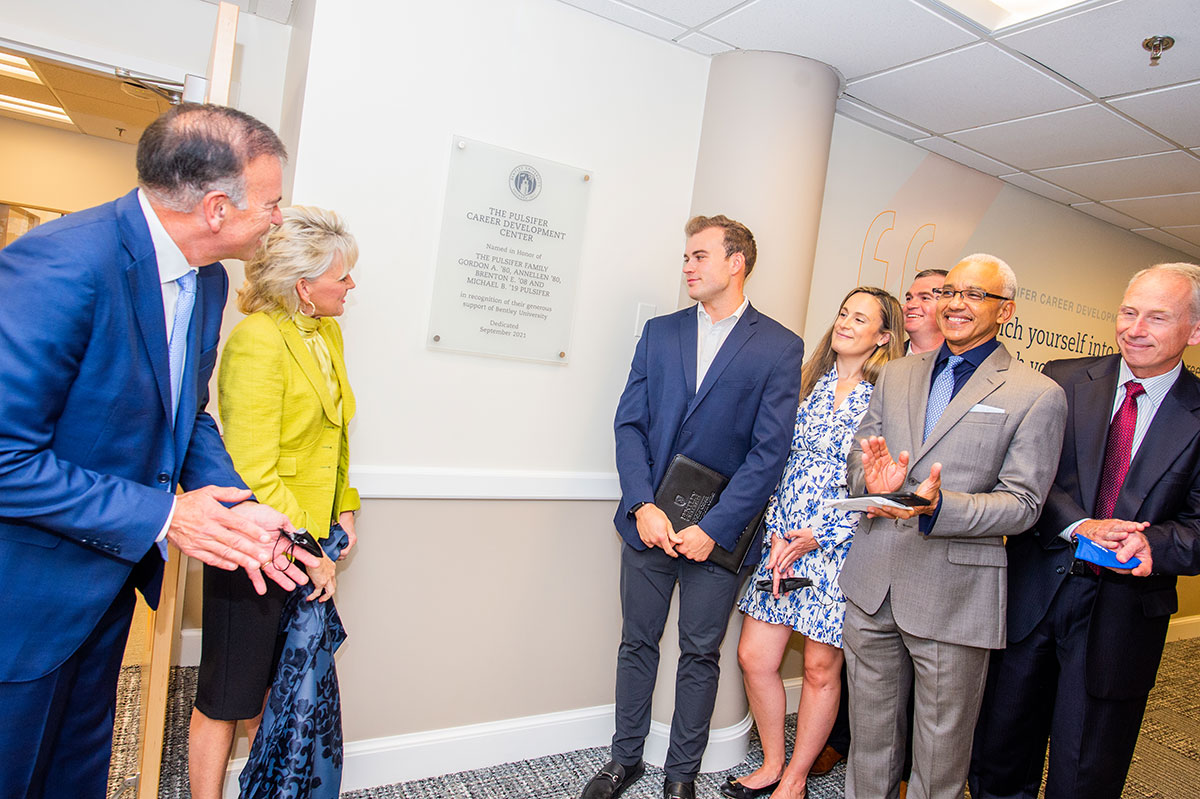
(633, 511)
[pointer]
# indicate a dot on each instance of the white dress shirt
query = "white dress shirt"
(711, 335)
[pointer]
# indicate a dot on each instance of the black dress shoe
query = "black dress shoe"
(679, 790)
(735, 790)
(612, 780)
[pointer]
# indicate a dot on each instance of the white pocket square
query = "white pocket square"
(981, 408)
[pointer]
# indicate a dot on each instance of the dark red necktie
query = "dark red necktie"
(1117, 452)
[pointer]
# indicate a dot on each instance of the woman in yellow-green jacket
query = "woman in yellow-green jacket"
(285, 405)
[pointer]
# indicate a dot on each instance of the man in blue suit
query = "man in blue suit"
(108, 336)
(718, 382)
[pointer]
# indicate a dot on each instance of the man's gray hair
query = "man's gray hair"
(1007, 275)
(194, 149)
(1189, 272)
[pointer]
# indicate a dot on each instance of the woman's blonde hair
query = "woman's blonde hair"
(891, 322)
(303, 246)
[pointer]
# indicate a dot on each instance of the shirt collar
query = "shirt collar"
(974, 356)
(172, 265)
(736, 315)
(1156, 387)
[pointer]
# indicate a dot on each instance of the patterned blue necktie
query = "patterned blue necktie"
(177, 347)
(940, 393)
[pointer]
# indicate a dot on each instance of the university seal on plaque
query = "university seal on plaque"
(525, 182)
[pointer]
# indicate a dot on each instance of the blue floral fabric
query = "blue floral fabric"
(815, 473)
(297, 753)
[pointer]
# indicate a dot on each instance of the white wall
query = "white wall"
(531, 75)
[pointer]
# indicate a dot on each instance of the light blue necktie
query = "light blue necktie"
(177, 347)
(940, 393)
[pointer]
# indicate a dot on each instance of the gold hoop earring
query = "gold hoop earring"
(311, 313)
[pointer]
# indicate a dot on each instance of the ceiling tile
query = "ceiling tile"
(1189, 233)
(1139, 176)
(633, 17)
(686, 12)
(1073, 136)
(1173, 112)
(1171, 241)
(703, 44)
(1174, 209)
(964, 156)
(1100, 48)
(878, 120)
(1030, 183)
(857, 38)
(1109, 215)
(974, 86)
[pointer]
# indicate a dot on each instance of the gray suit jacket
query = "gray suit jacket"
(997, 467)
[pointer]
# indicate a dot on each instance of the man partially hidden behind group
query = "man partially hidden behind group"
(978, 434)
(718, 382)
(108, 337)
(1084, 643)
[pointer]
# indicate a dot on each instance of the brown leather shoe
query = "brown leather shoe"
(825, 761)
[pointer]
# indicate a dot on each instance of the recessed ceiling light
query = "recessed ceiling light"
(17, 67)
(996, 14)
(43, 110)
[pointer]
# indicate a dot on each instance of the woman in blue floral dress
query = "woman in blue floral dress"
(805, 538)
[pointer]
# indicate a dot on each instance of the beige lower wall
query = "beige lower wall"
(461, 612)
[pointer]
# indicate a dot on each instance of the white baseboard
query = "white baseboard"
(400, 482)
(401, 758)
(188, 652)
(1183, 627)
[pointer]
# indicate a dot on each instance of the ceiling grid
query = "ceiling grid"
(1065, 105)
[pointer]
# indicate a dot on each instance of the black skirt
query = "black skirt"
(240, 646)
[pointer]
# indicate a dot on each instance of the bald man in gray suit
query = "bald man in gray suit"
(927, 587)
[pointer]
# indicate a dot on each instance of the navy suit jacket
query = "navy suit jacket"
(89, 456)
(1129, 618)
(739, 421)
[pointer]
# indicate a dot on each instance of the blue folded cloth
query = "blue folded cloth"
(297, 753)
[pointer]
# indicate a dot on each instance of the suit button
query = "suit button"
(163, 477)
(1061, 569)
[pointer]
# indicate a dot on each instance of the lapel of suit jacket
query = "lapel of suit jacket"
(687, 349)
(146, 291)
(1174, 427)
(1092, 413)
(337, 355)
(307, 363)
(741, 333)
(989, 376)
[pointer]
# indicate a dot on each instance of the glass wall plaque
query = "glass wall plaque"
(512, 234)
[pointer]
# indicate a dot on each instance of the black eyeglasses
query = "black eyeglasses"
(969, 295)
(301, 538)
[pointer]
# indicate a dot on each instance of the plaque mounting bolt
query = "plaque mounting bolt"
(462, 145)
(437, 338)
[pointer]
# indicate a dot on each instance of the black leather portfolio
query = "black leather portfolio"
(687, 491)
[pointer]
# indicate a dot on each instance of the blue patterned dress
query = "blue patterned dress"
(815, 473)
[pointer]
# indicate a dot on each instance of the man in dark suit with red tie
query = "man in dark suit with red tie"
(1084, 642)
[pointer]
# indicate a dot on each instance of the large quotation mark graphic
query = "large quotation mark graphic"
(883, 223)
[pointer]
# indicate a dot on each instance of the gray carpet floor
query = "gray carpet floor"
(1166, 764)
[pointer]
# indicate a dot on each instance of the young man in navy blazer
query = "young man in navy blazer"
(718, 382)
(108, 336)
